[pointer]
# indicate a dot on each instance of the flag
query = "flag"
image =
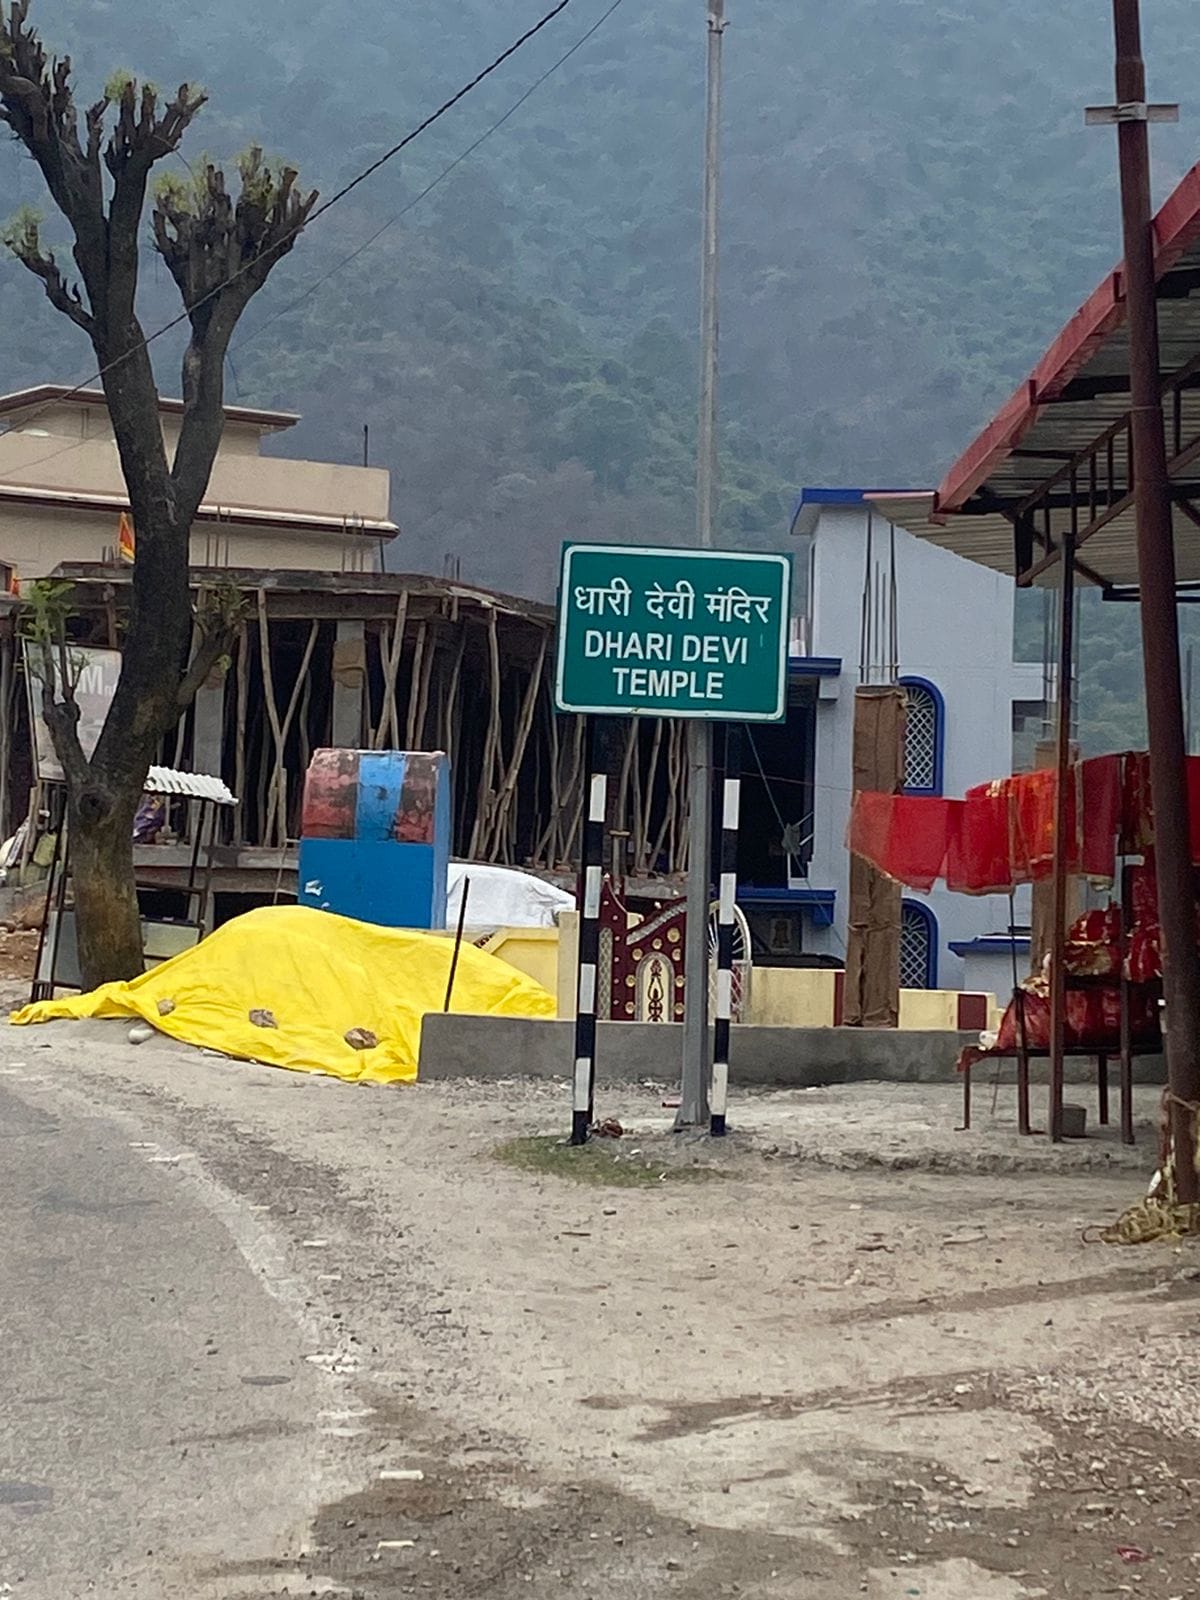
(125, 538)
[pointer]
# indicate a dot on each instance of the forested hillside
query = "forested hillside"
(912, 206)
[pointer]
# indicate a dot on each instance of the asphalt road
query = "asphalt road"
(159, 1407)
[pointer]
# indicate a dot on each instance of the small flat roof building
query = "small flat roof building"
(62, 493)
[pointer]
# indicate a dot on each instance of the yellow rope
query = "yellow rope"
(1160, 1216)
(1150, 1220)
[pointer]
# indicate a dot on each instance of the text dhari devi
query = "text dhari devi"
(730, 609)
(725, 605)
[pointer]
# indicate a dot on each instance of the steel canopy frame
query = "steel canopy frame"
(1092, 471)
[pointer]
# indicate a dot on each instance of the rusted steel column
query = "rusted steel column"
(1160, 631)
(1062, 800)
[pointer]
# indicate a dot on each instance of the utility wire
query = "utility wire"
(379, 232)
(433, 184)
(340, 194)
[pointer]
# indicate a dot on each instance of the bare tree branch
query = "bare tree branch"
(220, 254)
(220, 612)
(23, 238)
(220, 251)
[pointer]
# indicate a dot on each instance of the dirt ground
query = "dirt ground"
(862, 1354)
(18, 953)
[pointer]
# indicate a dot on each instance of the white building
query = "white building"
(875, 604)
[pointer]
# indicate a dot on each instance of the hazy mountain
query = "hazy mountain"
(912, 206)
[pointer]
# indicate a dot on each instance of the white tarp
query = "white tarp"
(502, 897)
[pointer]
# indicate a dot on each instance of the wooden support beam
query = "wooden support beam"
(414, 686)
(389, 655)
(349, 680)
(520, 740)
(239, 731)
(487, 773)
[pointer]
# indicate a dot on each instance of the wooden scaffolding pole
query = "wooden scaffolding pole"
(520, 740)
(388, 732)
(487, 772)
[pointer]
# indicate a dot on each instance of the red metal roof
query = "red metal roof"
(1176, 229)
(1058, 451)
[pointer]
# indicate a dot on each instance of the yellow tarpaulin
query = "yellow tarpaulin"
(299, 988)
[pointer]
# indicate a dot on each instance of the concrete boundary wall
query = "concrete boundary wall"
(457, 1046)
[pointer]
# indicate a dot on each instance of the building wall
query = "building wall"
(954, 622)
(34, 541)
(69, 448)
(240, 477)
(780, 997)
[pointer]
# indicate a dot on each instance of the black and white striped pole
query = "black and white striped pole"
(726, 903)
(589, 951)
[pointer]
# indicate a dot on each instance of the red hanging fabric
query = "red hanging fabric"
(977, 855)
(1031, 824)
(902, 835)
(1099, 795)
(1002, 833)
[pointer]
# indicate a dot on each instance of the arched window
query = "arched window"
(924, 736)
(918, 946)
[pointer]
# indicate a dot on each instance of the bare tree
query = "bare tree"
(219, 250)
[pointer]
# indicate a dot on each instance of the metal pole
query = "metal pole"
(707, 480)
(583, 1107)
(693, 1100)
(730, 810)
(1190, 676)
(458, 939)
(1160, 629)
(1062, 809)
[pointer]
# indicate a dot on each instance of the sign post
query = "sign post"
(700, 635)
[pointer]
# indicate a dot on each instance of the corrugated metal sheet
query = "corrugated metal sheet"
(1056, 414)
(1090, 340)
(1111, 553)
(191, 785)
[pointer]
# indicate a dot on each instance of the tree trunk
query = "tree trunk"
(106, 908)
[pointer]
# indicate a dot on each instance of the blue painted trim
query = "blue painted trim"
(988, 944)
(815, 666)
(817, 495)
(939, 742)
(931, 928)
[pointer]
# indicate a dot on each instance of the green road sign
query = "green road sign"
(673, 633)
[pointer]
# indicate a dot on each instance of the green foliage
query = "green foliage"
(118, 84)
(912, 207)
(220, 606)
(49, 605)
(22, 232)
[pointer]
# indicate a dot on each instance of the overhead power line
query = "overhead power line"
(317, 283)
(334, 199)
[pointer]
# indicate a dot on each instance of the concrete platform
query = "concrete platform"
(473, 1047)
